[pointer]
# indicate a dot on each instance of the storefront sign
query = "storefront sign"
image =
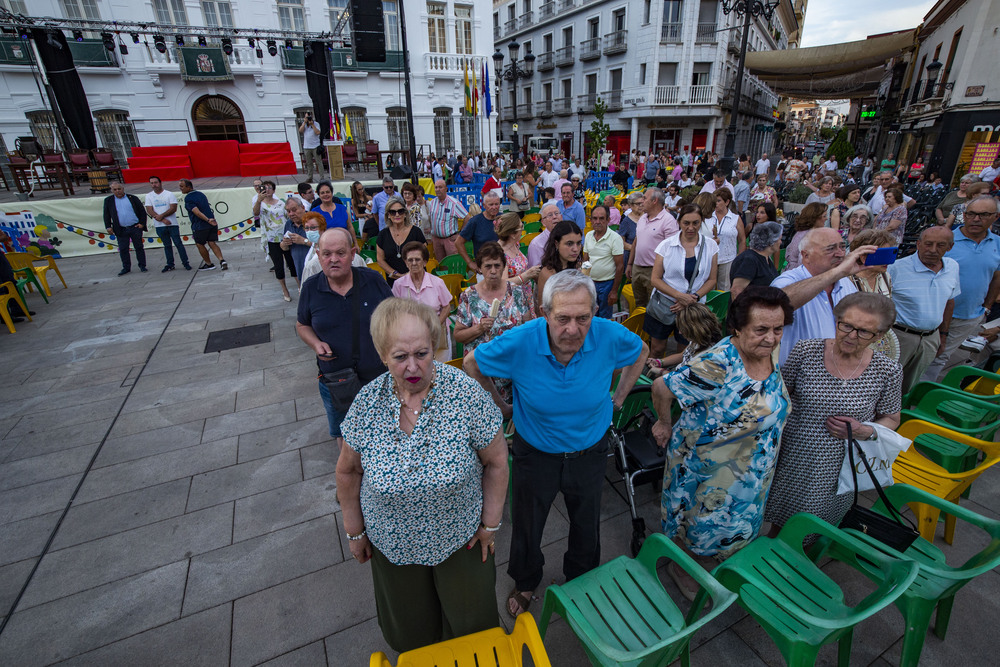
(975, 91)
(665, 124)
(546, 126)
(634, 100)
(203, 63)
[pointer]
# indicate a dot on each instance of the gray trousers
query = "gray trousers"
(952, 356)
(915, 354)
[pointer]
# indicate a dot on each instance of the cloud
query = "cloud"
(836, 21)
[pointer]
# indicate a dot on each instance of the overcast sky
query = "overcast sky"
(834, 21)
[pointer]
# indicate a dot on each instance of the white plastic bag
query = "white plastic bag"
(880, 453)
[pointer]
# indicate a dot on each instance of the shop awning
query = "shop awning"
(834, 71)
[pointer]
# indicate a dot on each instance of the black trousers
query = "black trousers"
(280, 257)
(131, 235)
(538, 477)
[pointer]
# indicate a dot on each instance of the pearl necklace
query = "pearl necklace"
(840, 372)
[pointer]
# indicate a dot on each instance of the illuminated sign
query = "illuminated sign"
(869, 113)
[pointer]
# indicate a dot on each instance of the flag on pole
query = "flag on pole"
(486, 90)
(332, 137)
(468, 92)
(335, 128)
(347, 128)
(475, 91)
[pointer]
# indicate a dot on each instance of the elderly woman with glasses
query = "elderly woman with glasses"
(399, 231)
(834, 383)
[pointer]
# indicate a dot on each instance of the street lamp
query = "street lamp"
(749, 10)
(512, 72)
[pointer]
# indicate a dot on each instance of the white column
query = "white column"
(633, 139)
(711, 133)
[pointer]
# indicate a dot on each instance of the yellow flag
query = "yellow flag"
(468, 92)
(347, 129)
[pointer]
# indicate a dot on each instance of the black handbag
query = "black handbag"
(345, 384)
(889, 530)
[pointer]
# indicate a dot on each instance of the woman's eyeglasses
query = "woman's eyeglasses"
(863, 334)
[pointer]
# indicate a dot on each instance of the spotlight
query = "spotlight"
(227, 46)
(288, 44)
(159, 43)
(260, 54)
(24, 34)
(135, 37)
(78, 35)
(272, 47)
(201, 40)
(329, 46)
(250, 42)
(122, 48)
(180, 40)
(109, 41)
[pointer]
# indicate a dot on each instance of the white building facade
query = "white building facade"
(140, 99)
(665, 68)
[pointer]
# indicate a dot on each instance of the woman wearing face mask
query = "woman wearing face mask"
(564, 250)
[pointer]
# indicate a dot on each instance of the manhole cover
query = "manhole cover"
(227, 339)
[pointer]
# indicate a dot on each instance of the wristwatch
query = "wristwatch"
(873, 436)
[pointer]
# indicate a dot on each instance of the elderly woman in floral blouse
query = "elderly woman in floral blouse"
(421, 481)
(475, 325)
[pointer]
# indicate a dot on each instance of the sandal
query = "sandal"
(683, 581)
(523, 601)
(656, 363)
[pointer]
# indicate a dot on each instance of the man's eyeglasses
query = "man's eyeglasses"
(863, 334)
(979, 215)
(396, 211)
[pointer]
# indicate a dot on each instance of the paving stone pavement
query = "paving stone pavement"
(201, 524)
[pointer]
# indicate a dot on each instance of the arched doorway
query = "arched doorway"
(217, 118)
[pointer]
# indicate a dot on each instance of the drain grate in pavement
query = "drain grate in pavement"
(227, 339)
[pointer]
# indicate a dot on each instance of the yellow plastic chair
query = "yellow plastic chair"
(453, 282)
(634, 323)
(374, 266)
(629, 297)
(493, 648)
(11, 295)
(41, 266)
(526, 239)
(916, 470)
(431, 265)
(25, 275)
(457, 363)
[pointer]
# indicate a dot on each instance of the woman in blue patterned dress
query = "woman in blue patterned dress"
(421, 481)
(721, 455)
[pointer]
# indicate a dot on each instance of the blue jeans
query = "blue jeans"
(172, 233)
(603, 290)
(332, 416)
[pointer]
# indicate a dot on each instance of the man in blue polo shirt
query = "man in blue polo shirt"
(561, 367)
(570, 208)
(480, 229)
(977, 251)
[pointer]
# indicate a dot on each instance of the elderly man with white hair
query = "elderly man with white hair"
(550, 215)
(816, 286)
(445, 211)
(561, 366)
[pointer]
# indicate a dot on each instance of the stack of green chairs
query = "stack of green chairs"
(452, 264)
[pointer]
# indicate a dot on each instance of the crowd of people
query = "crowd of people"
(818, 342)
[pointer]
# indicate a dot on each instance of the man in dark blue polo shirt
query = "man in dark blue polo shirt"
(325, 315)
(480, 229)
(561, 367)
(204, 227)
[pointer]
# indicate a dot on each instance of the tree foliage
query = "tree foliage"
(841, 148)
(597, 136)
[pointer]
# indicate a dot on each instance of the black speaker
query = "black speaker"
(368, 26)
(401, 172)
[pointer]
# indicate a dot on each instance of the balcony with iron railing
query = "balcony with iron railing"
(562, 106)
(702, 94)
(543, 108)
(615, 42)
(242, 59)
(509, 26)
(545, 61)
(508, 112)
(586, 102)
(547, 10)
(564, 56)
(524, 111)
(340, 59)
(613, 99)
(497, 32)
(706, 33)
(670, 33)
(527, 19)
(666, 94)
(563, 5)
(590, 49)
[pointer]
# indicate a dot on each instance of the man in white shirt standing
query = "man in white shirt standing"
(549, 176)
(310, 146)
(830, 166)
(990, 174)
(161, 206)
(762, 166)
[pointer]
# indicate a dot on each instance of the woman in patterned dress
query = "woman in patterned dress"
(421, 481)
(474, 325)
(721, 455)
(762, 192)
(272, 228)
(892, 217)
(509, 230)
(833, 383)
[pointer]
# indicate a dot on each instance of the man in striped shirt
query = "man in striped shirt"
(445, 212)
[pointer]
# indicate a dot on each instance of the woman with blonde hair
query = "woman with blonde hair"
(510, 229)
(700, 327)
(706, 202)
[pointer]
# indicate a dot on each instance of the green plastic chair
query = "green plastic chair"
(532, 227)
(718, 302)
(24, 276)
(796, 603)
(370, 254)
(936, 582)
(622, 615)
(452, 264)
(956, 409)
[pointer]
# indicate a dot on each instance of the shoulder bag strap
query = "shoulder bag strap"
(697, 263)
(355, 318)
(894, 513)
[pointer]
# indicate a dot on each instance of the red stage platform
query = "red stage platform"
(205, 159)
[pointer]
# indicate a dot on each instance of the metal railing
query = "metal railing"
(545, 61)
(547, 10)
(497, 31)
(563, 106)
(701, 94)
(666, 94)
(564, 56)
(587, 101)
(670, 33)
(615, 42)
(563, 5)
(510, 26)
(613, 98)
(706, 33)
(590, 48)
(543, 108)
(524, 111)
(526, 20)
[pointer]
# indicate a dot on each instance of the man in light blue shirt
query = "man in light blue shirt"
(561, 366)
(818, 285)
(977, 251)
(924, 287)
(742, 192)
(379, 200)
(570, 208)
